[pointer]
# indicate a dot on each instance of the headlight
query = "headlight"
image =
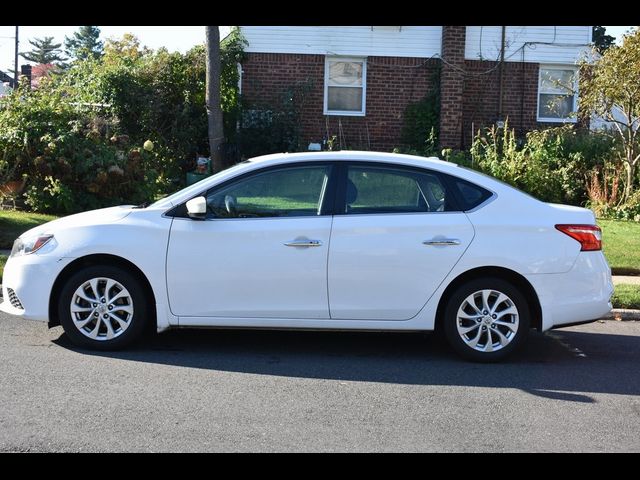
(25, 246)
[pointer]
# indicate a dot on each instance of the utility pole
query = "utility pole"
(15, 64)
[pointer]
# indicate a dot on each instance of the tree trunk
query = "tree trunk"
(214, 111)
(628, 188)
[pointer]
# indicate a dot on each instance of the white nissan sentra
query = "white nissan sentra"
(322, 240)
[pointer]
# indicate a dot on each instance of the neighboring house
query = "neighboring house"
(6, 83)
(40, 71)
(599, 123)
(360, 79)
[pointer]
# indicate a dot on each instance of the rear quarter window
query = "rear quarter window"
(469, 195)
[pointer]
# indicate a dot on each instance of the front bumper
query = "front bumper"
(580, 295)
(30, 279)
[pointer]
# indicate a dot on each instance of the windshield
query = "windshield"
(193, 189)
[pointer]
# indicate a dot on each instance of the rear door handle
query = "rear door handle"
(304, 243)
(442, 242)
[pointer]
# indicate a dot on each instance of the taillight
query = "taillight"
(589, 236)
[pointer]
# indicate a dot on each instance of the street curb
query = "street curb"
(623, 314)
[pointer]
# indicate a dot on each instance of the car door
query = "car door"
(262, 250)
(395, 237)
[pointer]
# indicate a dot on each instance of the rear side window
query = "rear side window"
(373, 189)
(469, 194)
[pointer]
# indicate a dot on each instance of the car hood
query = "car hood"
(92, 217)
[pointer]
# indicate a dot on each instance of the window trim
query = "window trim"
(349, 113)
(574, 117)
(342, 172)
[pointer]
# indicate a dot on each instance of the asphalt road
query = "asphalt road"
(576, 389)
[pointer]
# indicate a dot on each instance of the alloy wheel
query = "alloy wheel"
(101, 309)
(487, 320)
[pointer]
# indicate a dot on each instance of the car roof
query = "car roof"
(350, 155)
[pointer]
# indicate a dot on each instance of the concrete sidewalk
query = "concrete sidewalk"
(626, 279)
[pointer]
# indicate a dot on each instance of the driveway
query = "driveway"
(576, 389)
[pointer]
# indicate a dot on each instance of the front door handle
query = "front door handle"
(304, 243)
(442, 241)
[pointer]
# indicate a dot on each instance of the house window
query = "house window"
(345, 86)
(557, 94)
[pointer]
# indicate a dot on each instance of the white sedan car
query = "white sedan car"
(322, 240)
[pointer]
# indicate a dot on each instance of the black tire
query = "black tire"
(485, 351)
(123, 336)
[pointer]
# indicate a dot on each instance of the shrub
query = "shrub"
(79, 136)
(421, 122)
(71, 158)
(274, 128)
(552, 164)
(427, 148)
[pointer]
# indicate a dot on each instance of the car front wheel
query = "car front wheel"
(486, 319)
(103, 308)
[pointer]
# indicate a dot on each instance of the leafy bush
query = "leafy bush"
(459, 157)
(421, 122)
(552, 164)
(78, 137)
(231, 54)
(274, 128)
(427, 148)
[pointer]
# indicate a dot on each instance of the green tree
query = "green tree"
(231, 54)
(601, 40)
(126, 49)
(44, 51)
(85, 43)
(610, 88)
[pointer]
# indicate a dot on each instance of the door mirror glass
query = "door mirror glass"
(197, 208)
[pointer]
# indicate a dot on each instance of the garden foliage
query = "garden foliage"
(78, 138)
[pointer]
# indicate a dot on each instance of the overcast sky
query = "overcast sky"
(173, 38)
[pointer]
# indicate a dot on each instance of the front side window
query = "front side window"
(557, 94)
(373, 189)
(286, 192)
(344, 86)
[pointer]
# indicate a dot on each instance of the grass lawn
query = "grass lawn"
(621, 242)
(14, 223)
(627, 296)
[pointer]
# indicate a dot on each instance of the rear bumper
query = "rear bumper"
(577, 296)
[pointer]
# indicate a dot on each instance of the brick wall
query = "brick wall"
(392, 83)
(452, 86)
(468, 102)
(481, 88)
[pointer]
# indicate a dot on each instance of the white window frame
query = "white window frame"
(574, 117)
(350, 113)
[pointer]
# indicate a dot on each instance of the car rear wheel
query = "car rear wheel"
(103, 308)
(486, 319)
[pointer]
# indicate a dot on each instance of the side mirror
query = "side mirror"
(197, 208)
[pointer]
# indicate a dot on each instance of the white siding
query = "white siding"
(412, 41)
(569, 43)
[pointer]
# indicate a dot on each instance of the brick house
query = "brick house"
(360, 79)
